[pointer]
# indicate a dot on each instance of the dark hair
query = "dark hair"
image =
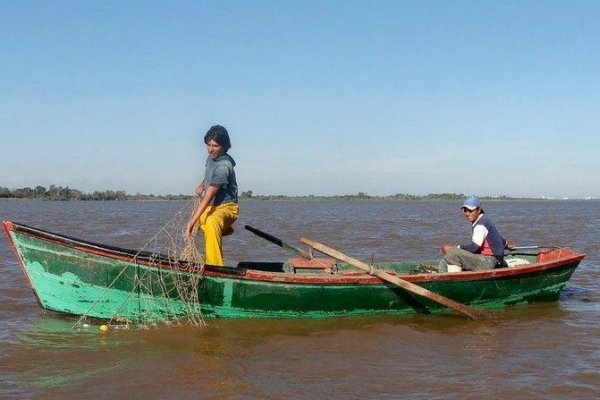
(218, 134)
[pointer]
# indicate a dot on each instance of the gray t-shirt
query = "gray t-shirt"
(220, 173)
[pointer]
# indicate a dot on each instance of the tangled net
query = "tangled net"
(167, 290)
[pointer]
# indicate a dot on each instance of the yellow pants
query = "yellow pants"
(215, 221)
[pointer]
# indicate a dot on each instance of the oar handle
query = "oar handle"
(279, 242)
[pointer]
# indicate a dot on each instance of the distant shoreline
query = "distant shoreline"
(308, 198)
(59, 193)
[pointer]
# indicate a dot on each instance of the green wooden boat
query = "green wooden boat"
(78, 277)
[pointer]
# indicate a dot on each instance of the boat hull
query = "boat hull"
(81, 278)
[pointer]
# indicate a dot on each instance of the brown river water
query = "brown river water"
(539, 351)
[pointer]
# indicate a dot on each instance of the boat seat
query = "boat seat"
(299, 263)
(261, 266)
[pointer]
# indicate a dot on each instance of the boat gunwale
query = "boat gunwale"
(352, 277)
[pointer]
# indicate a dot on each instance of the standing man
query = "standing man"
(486, 249)
(218, 208)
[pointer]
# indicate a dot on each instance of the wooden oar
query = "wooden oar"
(523, 248)
(279, 242)
(411, 287)
(515, 250)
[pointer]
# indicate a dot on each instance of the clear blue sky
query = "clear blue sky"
(319, 97)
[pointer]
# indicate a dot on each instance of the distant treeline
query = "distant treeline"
(365, 196)
(59, 193)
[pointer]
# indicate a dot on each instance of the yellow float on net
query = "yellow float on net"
(103, 328)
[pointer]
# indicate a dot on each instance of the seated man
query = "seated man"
(486, 250)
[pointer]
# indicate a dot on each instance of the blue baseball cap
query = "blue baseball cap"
(471, 203)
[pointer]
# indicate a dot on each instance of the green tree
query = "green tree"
(40, 191)
(5, 192)
(24, 193)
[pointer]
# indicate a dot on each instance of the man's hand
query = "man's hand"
(188, 231)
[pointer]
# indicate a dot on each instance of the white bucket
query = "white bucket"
(454, 268)
(515, 262)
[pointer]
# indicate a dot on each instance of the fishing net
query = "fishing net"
(163, 279)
